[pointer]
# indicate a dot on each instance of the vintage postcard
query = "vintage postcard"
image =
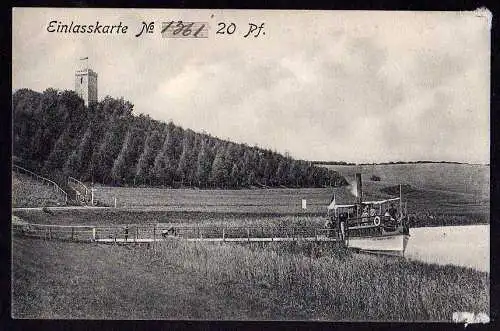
(250, 165)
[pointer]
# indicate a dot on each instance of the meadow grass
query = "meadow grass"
(132, 216)
(119, 216)
(439, 194)
(335, 285)
(27, 192)
(181, 280)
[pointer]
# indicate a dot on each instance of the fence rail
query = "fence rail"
(72, 233)
(43, 180)
(82, 192)
(149, 233)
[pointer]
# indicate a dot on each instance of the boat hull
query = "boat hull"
(393, 244)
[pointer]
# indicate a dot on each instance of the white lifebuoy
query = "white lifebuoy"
(376, 221)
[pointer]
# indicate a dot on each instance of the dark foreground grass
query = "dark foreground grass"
(180, 280)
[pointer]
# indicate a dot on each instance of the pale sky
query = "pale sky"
(336, 86)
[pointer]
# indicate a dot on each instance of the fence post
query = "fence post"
(248, 234)
(50, 234)
(93, 234)
(224, 234)
(115, 202)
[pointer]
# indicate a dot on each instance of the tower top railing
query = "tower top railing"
(86, 71)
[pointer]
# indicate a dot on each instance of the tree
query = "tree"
(57, 156)
(235, 176)
(185, 165)
(218, 176)
(118, 172)
(251, 178)
(294, 173)
(134, 151)
(163, 167)
(72, 165)
(146, 160)
(282, 172)
(203, 165)
(108, 151)
(79, 156)
(83, 152)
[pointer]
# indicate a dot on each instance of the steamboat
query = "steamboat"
(371, 226)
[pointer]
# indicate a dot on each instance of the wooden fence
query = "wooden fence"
(61, 232)
(132, 233)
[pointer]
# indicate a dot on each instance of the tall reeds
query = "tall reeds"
(293, 281)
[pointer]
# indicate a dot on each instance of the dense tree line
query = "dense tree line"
(56, 134)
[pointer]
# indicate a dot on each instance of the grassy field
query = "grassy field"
(459, 178)
(276, 201)
(27, 192)
(437, 194)
(112, 216)
(180, 280)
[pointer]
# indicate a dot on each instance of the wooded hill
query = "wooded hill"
(55, 134)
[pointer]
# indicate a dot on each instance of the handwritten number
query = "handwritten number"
(231, 26)
(187, 29)
(199, 30)
(183, 29)
(221, 30)
(179, 28)
(167, 26)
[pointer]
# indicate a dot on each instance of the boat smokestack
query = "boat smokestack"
(359, 188)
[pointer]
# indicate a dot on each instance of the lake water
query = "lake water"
(467, 246)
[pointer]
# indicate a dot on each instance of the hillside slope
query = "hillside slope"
(27, 192)
(56, 134)
(452, 193)
(460, 178)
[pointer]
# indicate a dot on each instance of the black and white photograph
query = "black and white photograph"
(250, 165)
